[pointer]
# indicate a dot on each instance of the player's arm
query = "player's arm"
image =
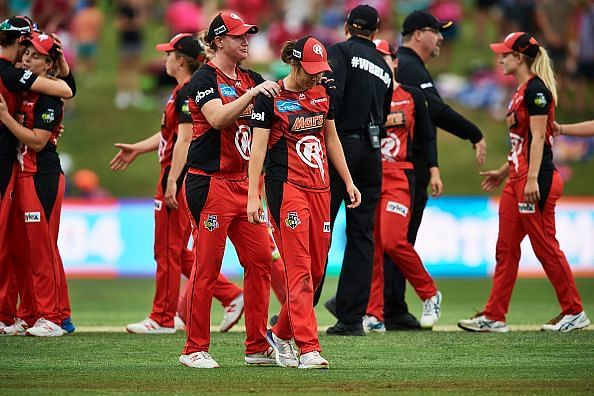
(336, 156)
(492, 179)
(129, 152)
(178, 161)
(580, 129)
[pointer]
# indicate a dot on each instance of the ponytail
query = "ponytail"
(287, 53)
(543, 68)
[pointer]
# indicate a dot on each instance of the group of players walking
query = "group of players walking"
(224, 125)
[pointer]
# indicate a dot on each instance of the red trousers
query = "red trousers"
(37, 263)
(8, 289)
(218, 209)
(516, 220)
(391, 229)
(172, 233)
(301, 221)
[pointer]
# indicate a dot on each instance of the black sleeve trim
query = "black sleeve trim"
(69, 79)
(263, 113)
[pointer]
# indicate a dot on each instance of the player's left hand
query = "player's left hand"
(436, 186)
(170, 195)
(254, 210)
(531, 192)
(327, 82)
(556, 129)
(480, 149)
(354, 195)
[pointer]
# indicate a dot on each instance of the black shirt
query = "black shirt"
(363, 85)
(412, 71)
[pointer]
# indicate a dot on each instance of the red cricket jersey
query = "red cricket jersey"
(296, 146)
(225, 153)
(531, 98)
(176, 112)
(43, 112)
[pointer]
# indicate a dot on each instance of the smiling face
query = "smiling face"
(234, 47)
(36, 62)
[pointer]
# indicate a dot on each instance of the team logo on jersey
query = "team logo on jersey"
(312, 122)
(26, 75)
(227, 90)
(258, 116)
(390, 147)
(48, 116)
(525, 207)
(203, 94)
(284, 106)
(301, 96)
(326, 226)
(211, 222)
(243, 141)
(32, 217)
(158, 204)
(396, 118)
(318, 100)
(397, 208)
(310, 151)
(186, 107)
(292, 220)
(540, 100)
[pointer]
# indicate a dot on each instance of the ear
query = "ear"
(346, 30)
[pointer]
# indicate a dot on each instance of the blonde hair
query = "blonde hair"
(542, 66)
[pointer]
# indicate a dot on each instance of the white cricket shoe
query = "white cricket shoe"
(284, 353)
(17, 328)
(198, 360)
(232, 315)
(149, 326)
(566, 323)
(45, 328)
(267, 357)
(481, 323)
(312, 360)
(372, 324)
(2, 327)
(431, 311)
(178, 323)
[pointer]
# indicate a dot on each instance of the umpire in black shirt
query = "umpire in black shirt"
(421, 39)
(361, 103)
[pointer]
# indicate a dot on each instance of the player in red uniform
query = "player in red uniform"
(408, 124)
(221, 103)
(298, 129)
(12, 81)
(39, 190)
(527, 205)
(184, 55)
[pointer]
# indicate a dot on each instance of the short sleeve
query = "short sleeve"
(182, 106)
(538, 98)
(263, 113)
(203, 86)
(17, 79)
(258, 79)
(48, 113)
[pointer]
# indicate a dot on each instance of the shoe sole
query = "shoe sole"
(157, 332)
(475, 330)
(190, 366)
(227, 328)
(258, 362)
(314, 366)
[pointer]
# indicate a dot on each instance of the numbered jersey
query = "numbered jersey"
(41, 112)
(221, 153)
(176, 112)
(296, 146)
(530, 99)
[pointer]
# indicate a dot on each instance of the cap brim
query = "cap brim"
(37, 46)
(166, 47)
(500, 48)
(315, 67)
(243, 29)
(445, 25)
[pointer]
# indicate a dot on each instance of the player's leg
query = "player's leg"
(375, 306)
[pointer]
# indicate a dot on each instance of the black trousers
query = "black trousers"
(354, 283)
(394, 281)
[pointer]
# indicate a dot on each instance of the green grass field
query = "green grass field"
(442, 361)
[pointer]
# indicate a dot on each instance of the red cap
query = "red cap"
(517, 42)
(43, 43)
(184, 43)
(229, 22)
(385, 48)
(312, 55)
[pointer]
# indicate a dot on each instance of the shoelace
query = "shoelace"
(285, 347)
(200, 355)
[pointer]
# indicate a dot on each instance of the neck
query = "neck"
(225, 64)
(417, 50)
(182, 76)
(522, 75)
(9, 53)
(291, 84)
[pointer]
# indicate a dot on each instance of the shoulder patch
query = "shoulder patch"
(540, 100)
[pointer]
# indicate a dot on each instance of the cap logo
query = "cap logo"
(220, 30)
(43, 37)
(317, 49)
(297, 54)
(235, 16)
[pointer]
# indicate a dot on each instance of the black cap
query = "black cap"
(229, 22)
(184, 43)
(18, 25)
(363, 17)
(418, 20)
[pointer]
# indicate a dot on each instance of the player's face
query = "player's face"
(306, 80)
(509, 62)
(432, 39)
(170, 63)
(36, 62)
(235, 47)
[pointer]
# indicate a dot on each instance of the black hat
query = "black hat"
(19, 25)
(184, 43)
(229, 22)
(517, 41)
(363, 17)
(418, 20)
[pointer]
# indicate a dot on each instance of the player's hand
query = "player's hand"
(124, 157)
(62, 63)
(327, 82)
(531, 191)
(435, 183)
(354, 195)
(556, 129)
(254, 210)
(491, 180)
(268, 88)
(170, 195)
(480, 149)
